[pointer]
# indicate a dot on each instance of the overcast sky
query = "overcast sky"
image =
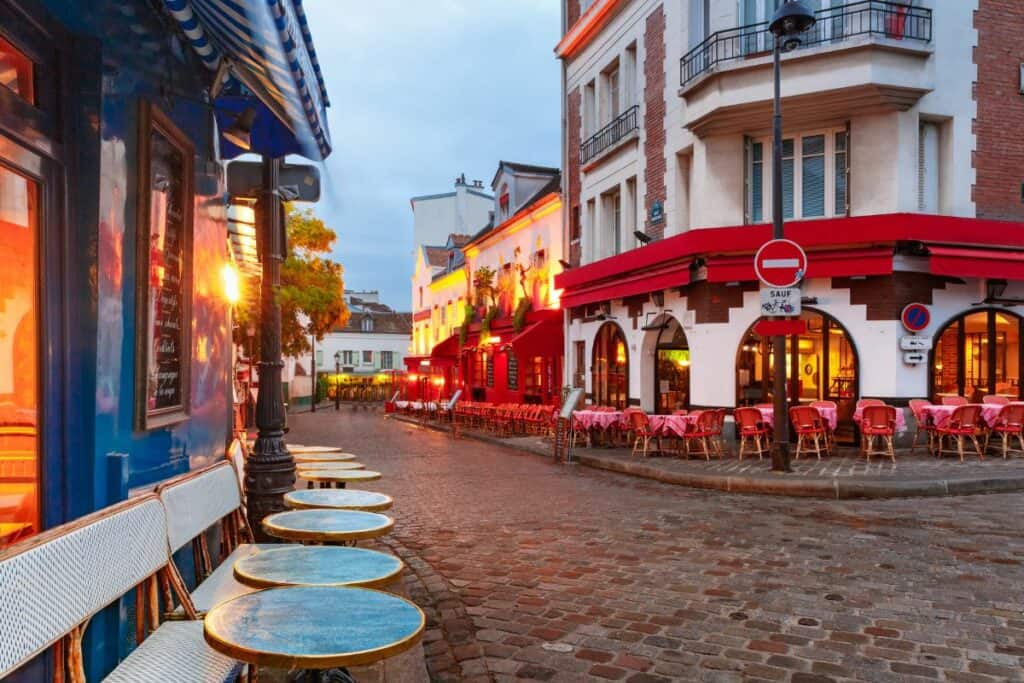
(420, 92)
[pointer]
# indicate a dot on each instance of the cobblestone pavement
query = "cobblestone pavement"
(532, 570)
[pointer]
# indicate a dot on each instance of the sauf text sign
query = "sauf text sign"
(780, 301)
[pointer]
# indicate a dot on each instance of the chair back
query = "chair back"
(198, 500)
(954, 401)
(805, 417)
(879, 418)
(865, 402)
(53, 582)
(237, 456)
(748, 419)
(680, 412)
(917, 406)
(638, 420)
(706, 421)
(966, 416)
(1011, 415)
(826, 404)
(995, 400)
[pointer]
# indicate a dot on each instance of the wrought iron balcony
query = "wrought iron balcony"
(834, 25)
(620, 126)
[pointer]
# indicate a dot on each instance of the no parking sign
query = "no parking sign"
(915, 317)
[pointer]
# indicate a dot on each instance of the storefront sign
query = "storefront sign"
(912, 343)
(780, 302)
(163, 346)
(770, 327)
(657, 211)
(914, 357)
(780, 263)
(915, 317)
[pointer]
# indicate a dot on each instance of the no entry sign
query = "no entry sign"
(915, 317)
(780, 263)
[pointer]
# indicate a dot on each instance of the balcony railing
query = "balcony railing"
(834, 25)
(620, 126)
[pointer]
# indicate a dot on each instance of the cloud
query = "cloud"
(421, 92)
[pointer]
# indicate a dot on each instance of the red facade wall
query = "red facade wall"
(654, 118)
(999, 156)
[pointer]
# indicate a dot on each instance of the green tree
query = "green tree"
(483, 282)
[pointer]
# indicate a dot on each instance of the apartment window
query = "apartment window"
(367, 324)
(348, 357)
(367, 357)
(421, 297)
(387, 360)
(928, 168)
(444, 316)
(628, 219)
(503, 202)
(16, 72)
(610, 86)
(629, 88)
(699, 21)
(815, 176)
(319, 358)
(590, 230)
(589, 109)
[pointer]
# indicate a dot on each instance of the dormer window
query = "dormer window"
(367, 324)
(504, 204)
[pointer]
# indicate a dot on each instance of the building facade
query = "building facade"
(486, 314)
(897, 181)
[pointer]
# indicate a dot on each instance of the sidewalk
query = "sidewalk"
(842, 476)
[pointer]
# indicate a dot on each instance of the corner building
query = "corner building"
(899, 178)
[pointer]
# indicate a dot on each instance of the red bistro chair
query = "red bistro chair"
(705, 431)
(641, 429)
(865, 402)
(954, 401)
(828, 428)
(964, 423)
(924, 423)
(810, 430)
(995, 400)
(878, 422)
(1009, 423)
(750, 427)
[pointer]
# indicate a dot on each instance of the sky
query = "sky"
(421, 92)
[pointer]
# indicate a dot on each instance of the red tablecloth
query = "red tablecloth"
(901, 420)
(940, 413)
(672, 425)
(829, 415)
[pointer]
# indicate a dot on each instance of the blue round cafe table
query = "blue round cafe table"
(318, 565)
(338, 499)
(327, 526)
(313, 627)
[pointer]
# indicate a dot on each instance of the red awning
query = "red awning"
(982, 263)
(655, 280)
(541, 338)
(826, 263)
(447, 349)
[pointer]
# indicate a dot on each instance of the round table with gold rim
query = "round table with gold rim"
(338, 499)
(293, 449)
(322, 457)
(350, 465)
(327, 526)
(318, 565)
(313, 627)
(339, 477)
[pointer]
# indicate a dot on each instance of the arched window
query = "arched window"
(977, 354)
(610, 368)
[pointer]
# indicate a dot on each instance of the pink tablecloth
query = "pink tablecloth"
(597, 419)
(901, 420)
(940, 413)
(829, 415)
(672, 425)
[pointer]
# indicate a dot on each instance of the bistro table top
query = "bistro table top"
(335, 474)
(322, 457)
(320, 466)
(338, 499)
(318, 565)
(313, 627)
(327, 525)
(314, 449)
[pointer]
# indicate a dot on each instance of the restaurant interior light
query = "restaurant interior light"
(230, 281)
(493, 340)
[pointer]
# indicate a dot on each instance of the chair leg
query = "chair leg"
(960, 446)
(977, 446)
(743, 440)
(869, 442)
(892, 449)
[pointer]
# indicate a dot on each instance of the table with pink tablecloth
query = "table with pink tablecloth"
(941, 413)
(829, 415)
(901, 420)
(990, 412)
(672, 425)
(598, 419)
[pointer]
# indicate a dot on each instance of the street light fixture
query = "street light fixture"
(788, 24)
(337, 381)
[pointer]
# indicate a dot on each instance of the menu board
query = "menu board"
(513, 372)
(164, 274)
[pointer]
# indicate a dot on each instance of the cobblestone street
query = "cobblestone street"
(536, 571)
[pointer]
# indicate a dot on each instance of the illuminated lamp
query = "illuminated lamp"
(620, 353)
(493, 340)
(232, 286)
(413, 377)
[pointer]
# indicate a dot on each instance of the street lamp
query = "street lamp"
(337, 381)
(788, 24)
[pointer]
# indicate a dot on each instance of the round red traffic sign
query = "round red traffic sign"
(915, 317)
(780, 263)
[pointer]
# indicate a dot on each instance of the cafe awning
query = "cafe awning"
(541, 337)
(448, 349)
(981, 263)
(268, 51)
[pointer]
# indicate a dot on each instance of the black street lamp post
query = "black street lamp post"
(790, 21)
(337, 381)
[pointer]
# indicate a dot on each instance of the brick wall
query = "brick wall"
(999, 157)
(574, 127)
(885, 295)
(654, 118)
(572, 13)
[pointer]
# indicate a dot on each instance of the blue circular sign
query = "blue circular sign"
(915, 317)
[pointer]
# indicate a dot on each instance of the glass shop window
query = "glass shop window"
(16, 72)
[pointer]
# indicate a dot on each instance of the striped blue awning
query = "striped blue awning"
(269, 53)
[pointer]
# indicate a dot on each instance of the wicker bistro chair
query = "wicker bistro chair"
(751, 428)
(995, 400)
(964, 423)
(865, 402)
(924, 423)
(640, 428)
(878, 422)
(954, 401)
(1009, 424)
(706, 432)
(810, 430)
(832, 405)
(53, 584)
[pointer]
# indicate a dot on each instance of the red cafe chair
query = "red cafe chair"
(810, 430)
(705, 432)
(750, 427)
(642, 432)
(995, 400)
(1009, 423)
(954, 401)
(964, 423)
(878, 422)
(924, 423)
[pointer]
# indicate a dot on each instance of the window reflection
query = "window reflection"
(610, 367)
(978, 355)
(19, 381)
(16, 72)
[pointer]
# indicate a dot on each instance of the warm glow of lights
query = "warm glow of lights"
(556, 297)
(413, 377)
(493, 340)
(620, 353)
(684, 362)
(232, 283)
(424, 363)
(439, 381)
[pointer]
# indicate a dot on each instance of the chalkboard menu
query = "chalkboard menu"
(490, 371)
(513, 371)
(164, 274)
